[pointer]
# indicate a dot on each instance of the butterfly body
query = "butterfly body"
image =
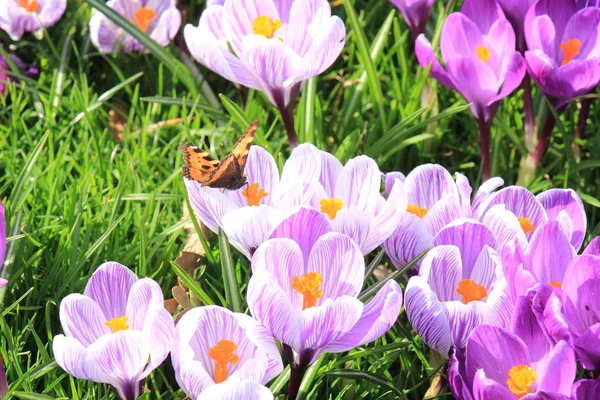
(225, 174)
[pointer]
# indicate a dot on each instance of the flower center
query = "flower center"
(143, 17)
(483, 53)
(309, 285)
(254, 194)
(556, 284)
(418, 211)
(331, 206)
(223, 354)
(570, 49)
(471, 291)
(527, 226)
(29, 5)
(520, 380)
(265, 26)
(118, 324)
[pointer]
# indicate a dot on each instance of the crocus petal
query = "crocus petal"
(358, 184)
(556, 200)
(560, 370)
(428, 184)
(341, 264)
(326, 47)
(300, 176)
(313, 223)
(514, 76)
(504, 225)
(209, 204)
(442, 213)
(586, 389)
(390, 180)
(484, 191)
(525, 324)
(587, 347)
(464, 193)
(109, 287)
(483, 12)
(460, 36)
(240, 15)
(409, 240)
(270, 305)
(442, 269)
(550, 266)
(330, 170)
(193, 378)
(83, 319)
(580, 293)
(485, 388)
(354, 224)
(427, 315)
(426, 56)
(377, 318)
(463, 319)
(234, 389)
(262, 169)
(306, 18)
(456, 375)
(593, 248)
(71, 355)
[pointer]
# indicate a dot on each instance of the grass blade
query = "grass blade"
(232, 288)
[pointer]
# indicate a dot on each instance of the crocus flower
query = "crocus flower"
(20, 16)
(2, 241)
(434, 200)
(267, 45)
(117, 332)
(234, 389)
(478, 48)
(504, 365)
(304, 292)
(350, 198)
(249, 214)
(564, 52)
(514, 213)
(573, 315)
(459, 287)
(159, 19)
(515, 11)
(6, 74)
(586, 389)
(543, 260)
(415, 13)
(214, 345)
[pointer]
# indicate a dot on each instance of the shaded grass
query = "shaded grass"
(76, 196)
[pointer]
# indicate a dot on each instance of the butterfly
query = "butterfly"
(225, 174)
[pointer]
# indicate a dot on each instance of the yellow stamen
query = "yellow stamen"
(30, 5)
(471, 291)
(331, 206)
(309, 285)
(556, 284)
(143, 17)
(570, 49)
(118, 324)
(265, 26)
(520, 380)
(526, 225)
(483, 53)
(223, 354)
(418, 211)
(254, 194)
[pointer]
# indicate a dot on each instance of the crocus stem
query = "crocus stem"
(544, 139)
(584, 113)
(485, 133)
(529, 115)
(288, 117)
(296, 374)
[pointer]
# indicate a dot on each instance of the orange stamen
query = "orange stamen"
(570, 49)
(309, 285)
(471, 291)
(331, 206)
(520, 380)
(254, 194)
(143, 17)
(418, 211)
(526, 225)
(265, 26)
(556, 284)
(223, 354)
(29, 5)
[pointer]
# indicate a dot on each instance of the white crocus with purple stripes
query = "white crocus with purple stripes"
(117, 332)
(159, 19)
(20, 16)
(215, 347)
(304, 292)
(235, 389)
(268, 45)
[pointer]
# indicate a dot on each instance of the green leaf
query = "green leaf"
(368, 376)
(232, 288)
(191, 284)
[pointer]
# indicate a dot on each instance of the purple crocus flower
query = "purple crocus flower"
(543, 260)
(267, 45)
(478, 48)
(6, 74)
(586, 389)
(249, 214)
(564, 52)
(350, 198)
(2, 241)
(505, 365)
(434, 200)
(573, 315)
(304, 292)
(514, 213)
(415, 13)
(117, 332)
(460, 286)
(159, 19)
(515, 11)
(20, 16)
(213, 345)
(235, 389)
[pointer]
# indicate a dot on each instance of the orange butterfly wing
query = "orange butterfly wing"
(199, 165)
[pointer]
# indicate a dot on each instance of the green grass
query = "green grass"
(76, 196)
